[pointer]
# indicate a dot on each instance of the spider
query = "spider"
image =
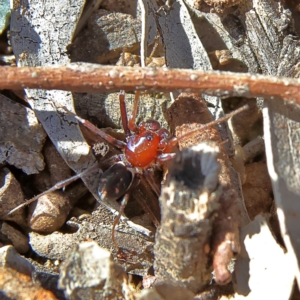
(147, 146)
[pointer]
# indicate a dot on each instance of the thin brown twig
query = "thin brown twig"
(95, 78)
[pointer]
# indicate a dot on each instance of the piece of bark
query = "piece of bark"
(18, 239)
(104, 38)
(232, 213)
(50, 211)
(56, 166)
(41, 45)
(184, 49)
(189, 201)
(227, 31)
(89, 9)
(258, 189)
(186, 114)
(9, 258)
(271, 35)
(11, 195)
(22, 137)
(90, 270)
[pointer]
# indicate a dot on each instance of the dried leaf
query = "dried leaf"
(263, 270)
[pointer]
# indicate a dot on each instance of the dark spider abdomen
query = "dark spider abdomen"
(114, 182)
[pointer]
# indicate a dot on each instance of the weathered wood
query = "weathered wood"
(189, 201)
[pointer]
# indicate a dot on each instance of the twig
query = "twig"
(95, 78)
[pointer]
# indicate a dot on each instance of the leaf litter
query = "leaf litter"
(267, 264)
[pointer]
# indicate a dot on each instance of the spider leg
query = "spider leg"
(118, 217)
(132, 121)
(149, 177)
(148, 199)
(57, 186)
(117, 143)
(124, 201)
(124, 113)
(130, 125)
